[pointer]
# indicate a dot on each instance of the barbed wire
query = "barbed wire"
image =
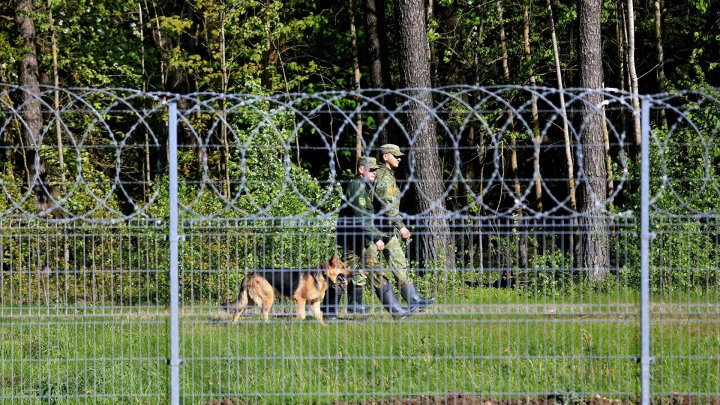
(102, 153)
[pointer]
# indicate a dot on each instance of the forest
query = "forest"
(261, 47)
(271, 48)
(521, 184)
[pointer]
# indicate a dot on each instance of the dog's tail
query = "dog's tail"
(242, 300)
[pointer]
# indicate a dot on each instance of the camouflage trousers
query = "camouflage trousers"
(367, 265)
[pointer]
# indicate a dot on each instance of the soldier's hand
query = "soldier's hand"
(405, 233)
(380, 244)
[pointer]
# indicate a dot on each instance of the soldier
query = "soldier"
(361, 241)
(387, 206)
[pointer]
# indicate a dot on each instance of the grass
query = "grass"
(494, 342)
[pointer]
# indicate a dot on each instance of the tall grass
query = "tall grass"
(503, 346)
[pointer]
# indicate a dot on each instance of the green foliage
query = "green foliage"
(97, 44)
(264, 47)
(684, 257)
(10, 54)
(684, 176)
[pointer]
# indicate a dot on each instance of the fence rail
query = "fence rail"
(127, 218)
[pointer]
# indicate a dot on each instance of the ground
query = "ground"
(469, 399)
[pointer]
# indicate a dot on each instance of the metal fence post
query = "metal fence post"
(174, 238)
(645, 237)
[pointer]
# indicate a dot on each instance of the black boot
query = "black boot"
(331, 302)
(412, 297)
(355, 299)
(391, 303)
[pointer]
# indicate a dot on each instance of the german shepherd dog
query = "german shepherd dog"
(303, 286)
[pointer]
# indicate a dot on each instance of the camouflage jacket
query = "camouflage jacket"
(387, 200)
(356, 229)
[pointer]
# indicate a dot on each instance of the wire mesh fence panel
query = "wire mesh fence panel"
(493, 253)
(684, 251)
(499, 329)
(84, 282)
(83, 312)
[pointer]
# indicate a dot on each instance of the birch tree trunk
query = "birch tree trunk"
(56, 100)
(432, 51)
(632, 71)
(534, 109)
(356, 80)
(621, 36)
(661, 57)
(143, 73)
(566, 130)
(608, 159)
(522, 259)
(59, 140)
(476, 165)
(225, 171)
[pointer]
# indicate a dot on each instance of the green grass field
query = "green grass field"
(497, 344)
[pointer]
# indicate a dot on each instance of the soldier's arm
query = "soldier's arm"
(369, 228)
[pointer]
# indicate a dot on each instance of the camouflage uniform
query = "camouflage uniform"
(387, 205)
(357, 233)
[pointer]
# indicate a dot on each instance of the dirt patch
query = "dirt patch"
(471, 399)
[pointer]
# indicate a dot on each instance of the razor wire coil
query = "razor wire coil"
(101, 133)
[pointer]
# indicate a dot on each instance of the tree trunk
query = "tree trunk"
(432, 51)
(566, 129)
(356, 80)
(477, 164)
(534, 109)
(475, 172)
(503, 44)
(608, 158)
(225, 154)
(143, 73)
(56, 102)
(572, 59)
(621, 35)
(594, 240)
(661, 57)
(632, 72)
(31, 108)
(379, 66)
(436, 244)
(517, 190)
(60, 146)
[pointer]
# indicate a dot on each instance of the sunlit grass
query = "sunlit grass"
(498, 343)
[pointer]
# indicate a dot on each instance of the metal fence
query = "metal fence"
(128, 218)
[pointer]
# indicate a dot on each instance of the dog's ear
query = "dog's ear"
(334, 259)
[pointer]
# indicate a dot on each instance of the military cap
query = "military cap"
(391, 148)
(369, 162)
